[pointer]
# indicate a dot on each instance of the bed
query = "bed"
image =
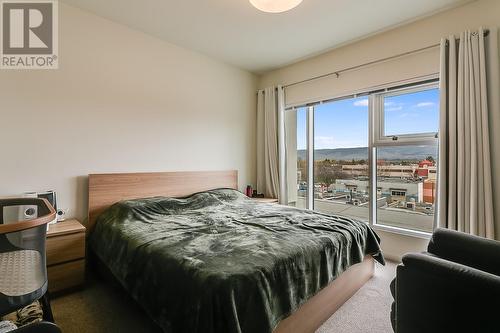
(199, 256)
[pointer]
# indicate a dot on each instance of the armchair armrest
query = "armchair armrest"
(469, 250)
(451, 272)
(436, 295)
(40, 327)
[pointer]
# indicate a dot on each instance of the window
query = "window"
(411, 112)
(341, 157)
(372, 157)
(329, 143)
(398, 193)
(404, 147)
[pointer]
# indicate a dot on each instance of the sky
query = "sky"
(344, 123)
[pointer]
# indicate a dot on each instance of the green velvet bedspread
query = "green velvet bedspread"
(219, 262)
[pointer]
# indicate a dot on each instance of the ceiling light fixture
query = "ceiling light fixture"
(275, 6)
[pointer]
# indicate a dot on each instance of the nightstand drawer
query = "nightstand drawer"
(65, 248)
(64, 276)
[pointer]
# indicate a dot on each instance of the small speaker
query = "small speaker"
(29, 212)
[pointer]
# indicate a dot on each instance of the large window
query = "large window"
(372, 157)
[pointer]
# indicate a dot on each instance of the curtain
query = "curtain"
(271, 156)
(468, 108)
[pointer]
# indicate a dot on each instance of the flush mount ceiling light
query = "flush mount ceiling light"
(275, 6)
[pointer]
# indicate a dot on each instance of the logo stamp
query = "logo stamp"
(29, 34)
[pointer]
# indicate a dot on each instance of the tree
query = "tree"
(327, 173)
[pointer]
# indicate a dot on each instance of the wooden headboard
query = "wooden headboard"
(106, 189)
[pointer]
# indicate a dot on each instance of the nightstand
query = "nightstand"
(65, 250)
(265, 200)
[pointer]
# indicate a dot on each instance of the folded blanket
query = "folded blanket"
(7, 326)
(32, 313)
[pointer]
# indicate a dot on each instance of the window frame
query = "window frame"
(377, 139)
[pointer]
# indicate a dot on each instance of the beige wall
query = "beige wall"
(121, 101)
(406, 38)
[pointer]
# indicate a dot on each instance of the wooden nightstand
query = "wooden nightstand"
(266, 200)
(65, 249)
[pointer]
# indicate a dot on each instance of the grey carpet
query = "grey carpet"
(368, 311)
(101, 307)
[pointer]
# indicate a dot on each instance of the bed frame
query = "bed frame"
(106, 189)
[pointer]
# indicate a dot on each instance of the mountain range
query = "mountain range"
(361, 153)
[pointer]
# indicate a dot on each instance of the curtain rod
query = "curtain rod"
(337, 73)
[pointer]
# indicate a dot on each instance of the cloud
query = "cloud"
(396, 108)
(361, 102)
(409, 114)
(425, 104)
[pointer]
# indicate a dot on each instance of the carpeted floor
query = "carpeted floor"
(102, 307)
(368, 311)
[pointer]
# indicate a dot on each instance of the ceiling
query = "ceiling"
(236, 33)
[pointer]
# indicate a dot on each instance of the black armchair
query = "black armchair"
(454, 287)
(40, 327)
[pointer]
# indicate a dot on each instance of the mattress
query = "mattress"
(218, 261)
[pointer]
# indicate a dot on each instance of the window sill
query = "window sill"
(402, 231)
